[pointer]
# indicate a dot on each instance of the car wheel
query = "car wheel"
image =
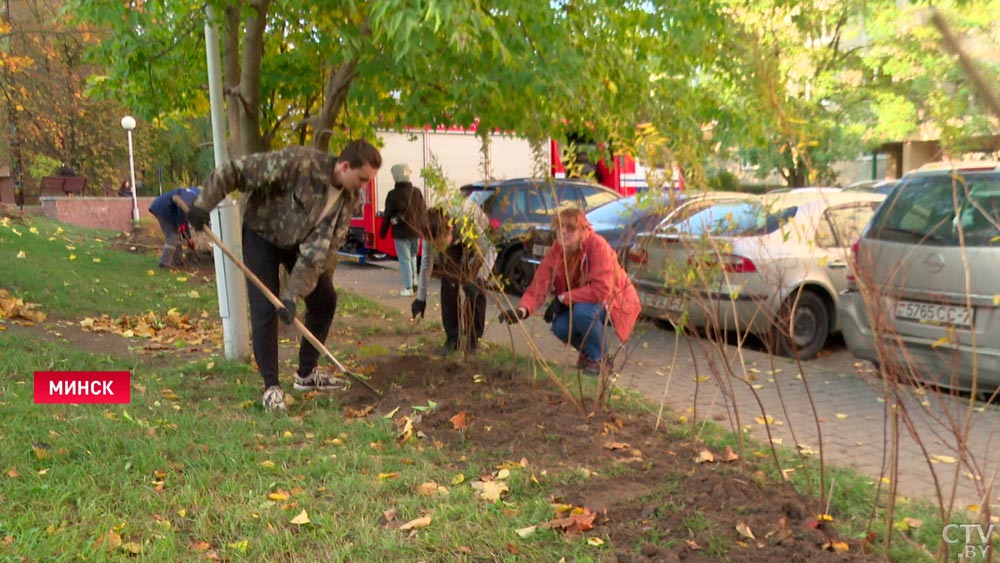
(808, 325)
(515, 271)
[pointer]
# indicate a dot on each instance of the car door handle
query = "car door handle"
(836, 264)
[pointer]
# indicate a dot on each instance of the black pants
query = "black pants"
(263, 259)
(472, 312)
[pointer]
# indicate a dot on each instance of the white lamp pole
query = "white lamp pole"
(128, 123)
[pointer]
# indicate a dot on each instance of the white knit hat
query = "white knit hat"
(401, 173)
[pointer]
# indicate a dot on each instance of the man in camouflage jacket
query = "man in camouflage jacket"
(297, 210)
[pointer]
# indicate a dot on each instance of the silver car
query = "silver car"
(772, 265)
(924, 304)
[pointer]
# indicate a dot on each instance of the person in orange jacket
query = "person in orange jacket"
(590, 287)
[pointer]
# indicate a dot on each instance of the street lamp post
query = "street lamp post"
(128, 123)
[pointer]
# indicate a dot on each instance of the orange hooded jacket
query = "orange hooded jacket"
(605, 281)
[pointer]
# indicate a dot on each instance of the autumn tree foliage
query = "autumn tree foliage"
(308, 73)
(48, 117)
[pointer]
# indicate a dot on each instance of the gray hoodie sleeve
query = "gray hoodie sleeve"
(426, 265)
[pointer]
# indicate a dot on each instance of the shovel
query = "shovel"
(277, 304)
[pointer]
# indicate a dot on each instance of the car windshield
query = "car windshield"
(732, 219)
(617, 212)
(479, 197)
(942, 210)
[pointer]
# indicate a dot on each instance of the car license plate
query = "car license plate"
(538, 250)
(932, 313)
(662, 302)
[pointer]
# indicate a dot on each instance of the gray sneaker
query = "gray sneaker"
(317, 381)
(274, 399)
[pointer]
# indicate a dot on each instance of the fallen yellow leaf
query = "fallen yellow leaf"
(416, 523)
(131, 548)
(301, 519)
(491, 491)
(525, 532)
(941, 341)
(431, 488)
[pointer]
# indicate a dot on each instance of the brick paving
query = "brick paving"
(852, 415)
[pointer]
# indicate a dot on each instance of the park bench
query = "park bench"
(63, 185)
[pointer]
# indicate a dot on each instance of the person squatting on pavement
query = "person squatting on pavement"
(457, 246)
(174, 224)
(582, 271)
(404, 211)
(298, 207)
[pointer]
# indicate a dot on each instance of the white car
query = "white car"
(772, 265)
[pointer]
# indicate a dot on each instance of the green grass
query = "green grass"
(192, 459)
(72, 272)
(191, 465)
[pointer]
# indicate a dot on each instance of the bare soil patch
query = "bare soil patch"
(654, 501)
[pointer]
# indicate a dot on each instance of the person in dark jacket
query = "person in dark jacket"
(457, 249)
(174, 224)
(298, 208)
(404, 213)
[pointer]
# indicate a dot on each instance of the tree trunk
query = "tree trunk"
(231, 79)
(335, 96)
(241, 75)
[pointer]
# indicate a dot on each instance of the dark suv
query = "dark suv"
(514, 206)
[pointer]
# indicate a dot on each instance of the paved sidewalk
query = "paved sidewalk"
(852, 416)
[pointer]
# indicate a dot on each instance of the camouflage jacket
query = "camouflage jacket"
(292, 203)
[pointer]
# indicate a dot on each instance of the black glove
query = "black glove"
(418, 307)
(287, 312)
(512, 316)
(555, 308)
(198, 217)
(471, 290)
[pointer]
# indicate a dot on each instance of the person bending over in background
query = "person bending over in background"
(459, 251)
(174, 223)
(582, 271)
(298, 208)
